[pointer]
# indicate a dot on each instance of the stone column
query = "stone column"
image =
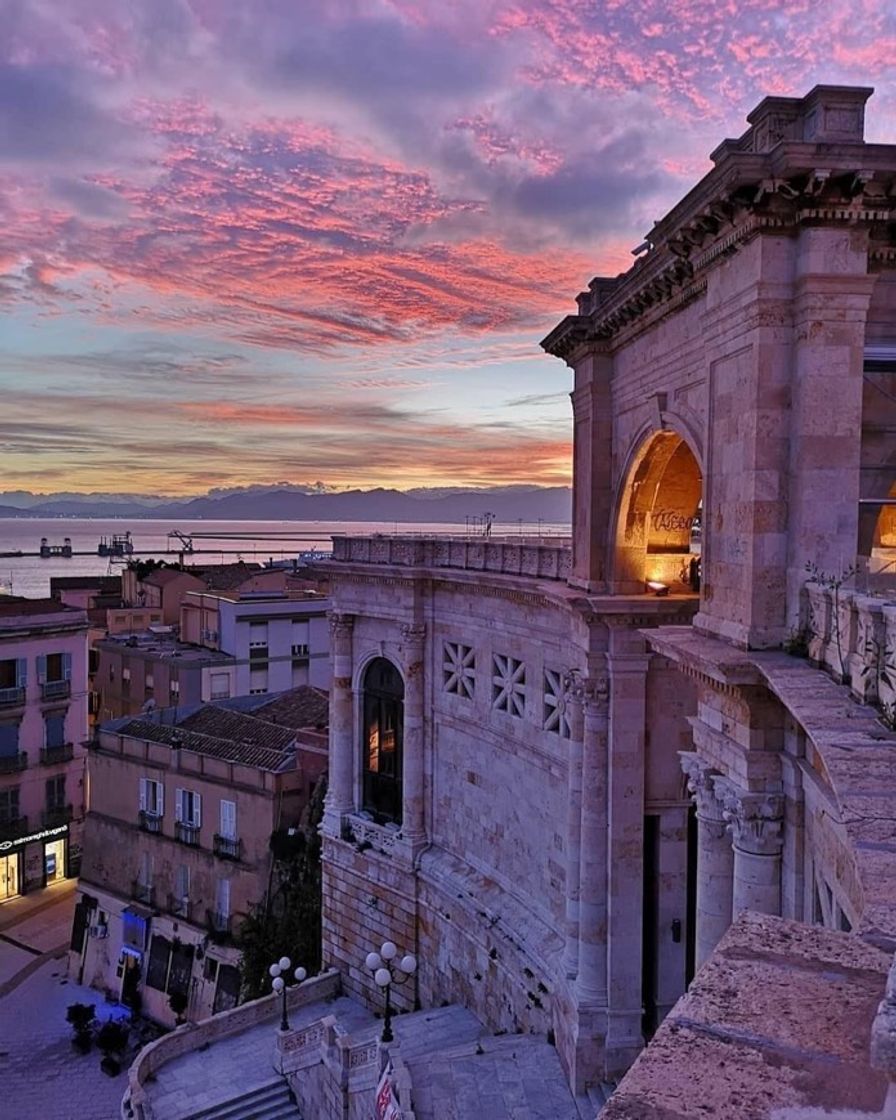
(591, 986)
(574, 709)
(627, 662)
(340, 795)
(756, 823)
(715, 857)
(412, 816)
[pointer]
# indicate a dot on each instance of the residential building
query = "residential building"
(163, 586)
(43, 726)
(279, 639)
(560, 769)
(184, 804)
(150, 669)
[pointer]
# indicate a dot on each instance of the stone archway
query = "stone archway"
(657, 530)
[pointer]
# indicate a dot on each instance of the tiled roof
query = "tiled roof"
(246, 754)
(17, 606)
(224, 577)
(299, 707)
(236, 726)
(159, 577)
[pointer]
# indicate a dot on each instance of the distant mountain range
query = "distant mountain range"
(283, 503)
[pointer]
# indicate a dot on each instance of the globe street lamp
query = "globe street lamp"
(276, 972)
(388, 970)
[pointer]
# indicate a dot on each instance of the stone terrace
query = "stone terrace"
(741, 1043)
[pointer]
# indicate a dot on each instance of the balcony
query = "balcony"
(49, 756)
(11, 828)
(143, 892)
(187, 833)
(12, 763)
(180, 906)
(150, 822)
(218, 926)
(12, 697)
(56, 815)
(56, 690)
(227, 847)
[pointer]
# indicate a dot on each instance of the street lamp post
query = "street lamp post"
(276, 972)
(388, 970)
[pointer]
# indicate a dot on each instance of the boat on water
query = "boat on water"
(47, 550)
(120, 544)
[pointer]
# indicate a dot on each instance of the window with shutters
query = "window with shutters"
(54, 730)
(55, 792)
(152, 797)
(258, 641)
(9, 739)
(220, 686)
(228, 820)
(13, 677)
(258, 680)
(222, 898)
(188, 808)
(9, 804)
(170, 965)
(54, 674)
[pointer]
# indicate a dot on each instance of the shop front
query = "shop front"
(32, 862)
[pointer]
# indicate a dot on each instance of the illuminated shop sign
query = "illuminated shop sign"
(46, 834)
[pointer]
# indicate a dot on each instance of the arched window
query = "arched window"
(383, 730)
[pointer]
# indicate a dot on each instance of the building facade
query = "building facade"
(43, 728)
(278, 639)
(558, 771)
(178, 847)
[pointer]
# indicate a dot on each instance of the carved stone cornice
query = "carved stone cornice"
(755, 820)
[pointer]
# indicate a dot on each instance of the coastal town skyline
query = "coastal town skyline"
(323, 240)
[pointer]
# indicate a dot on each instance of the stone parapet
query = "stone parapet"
(197, 1036)
(517, 556)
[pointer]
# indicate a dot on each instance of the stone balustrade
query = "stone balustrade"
(538, 558)
(196, 1036)
(853, 636)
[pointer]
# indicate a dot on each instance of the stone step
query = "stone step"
(270, 1101)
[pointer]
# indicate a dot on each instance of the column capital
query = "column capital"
(701, 785)
(595, 693)
(413, 632)
(755, 820)
(341, 624)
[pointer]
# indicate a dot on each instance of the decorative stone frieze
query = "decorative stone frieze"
(508, 685)
(459, 669)
(367, 834)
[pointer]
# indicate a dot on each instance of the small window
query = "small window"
(459, 669)
(152, 797)
(9, 804)
(9, 739)
(220, 686)
(228, 820)
(55, 792)
(188, 807)
(508, 685)
(182, 882)
(258, 681)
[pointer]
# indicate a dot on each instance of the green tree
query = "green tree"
(288, 920)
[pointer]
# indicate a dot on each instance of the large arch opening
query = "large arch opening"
(877, 542)
(658, 529)
(383, 741)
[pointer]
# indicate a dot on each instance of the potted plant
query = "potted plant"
(177, 1001)
(81, 1016)
(112, 1039)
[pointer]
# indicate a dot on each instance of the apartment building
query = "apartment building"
(279, 639)
(43, 725)
(177, 849)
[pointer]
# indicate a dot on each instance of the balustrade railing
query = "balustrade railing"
(64, 752)
(538, 558)
(853, 636)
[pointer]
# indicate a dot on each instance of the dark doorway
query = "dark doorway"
(649, 937)
(690, 959)
(130, 982)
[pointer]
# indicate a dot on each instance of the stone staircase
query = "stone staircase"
(271, 1101)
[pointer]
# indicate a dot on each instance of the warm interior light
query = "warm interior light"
(657, 587)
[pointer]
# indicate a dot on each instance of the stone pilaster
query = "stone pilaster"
(592, 467)
(627, 663)
(591, 982)
(756, 824)
(413, 822)
(715, 857)
(574, 696)
(340, 795)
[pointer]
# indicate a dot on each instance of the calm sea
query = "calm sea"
(255, 541)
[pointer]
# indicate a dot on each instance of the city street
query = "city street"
(44, 1077)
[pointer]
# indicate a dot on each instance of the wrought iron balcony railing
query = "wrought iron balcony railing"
(56, 815)
(143, 892)
(56, 690)
(11, 763)
(227, 847)
(187, 833)
(49, 756)
(180, 906)
(150, 822)
(12, 697)
(11, 828)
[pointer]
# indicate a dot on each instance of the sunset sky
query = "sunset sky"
(249, 241)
